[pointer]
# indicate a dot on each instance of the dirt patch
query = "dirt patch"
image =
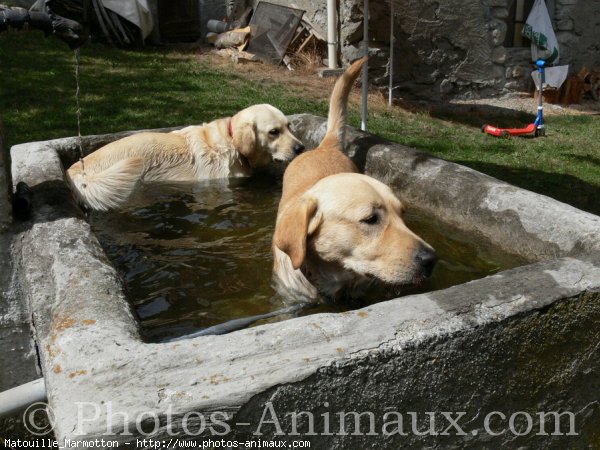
(303, 79)
(298, 79)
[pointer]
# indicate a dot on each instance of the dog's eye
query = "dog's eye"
(274, 132)
(371, 220)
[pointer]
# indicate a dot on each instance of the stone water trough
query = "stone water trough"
(503, 350)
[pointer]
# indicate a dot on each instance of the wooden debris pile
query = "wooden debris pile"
(274, 34)
(591, 82)
(585, 84)
(308, 47)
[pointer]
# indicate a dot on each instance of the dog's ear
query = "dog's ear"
(244, 137)
(295, 224)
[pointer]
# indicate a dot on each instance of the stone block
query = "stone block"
(446, 87)
(500, 13)
(499, 55)
(498, 31)
(565, 25)
(494, 3)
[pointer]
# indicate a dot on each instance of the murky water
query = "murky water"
(195, 256)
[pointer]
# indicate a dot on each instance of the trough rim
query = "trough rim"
(66, 330)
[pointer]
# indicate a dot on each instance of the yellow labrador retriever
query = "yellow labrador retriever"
(338, 230)
(225, 148)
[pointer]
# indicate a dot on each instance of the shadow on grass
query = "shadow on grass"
(120, 90)
(585, 158)
(565, 188)
(478, 115)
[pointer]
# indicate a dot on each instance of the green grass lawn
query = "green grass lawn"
(150, 88)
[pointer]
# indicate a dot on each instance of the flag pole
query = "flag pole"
(391, 68)
(365, 74)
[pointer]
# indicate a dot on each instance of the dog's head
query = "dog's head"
(350, 226)
(262, 134)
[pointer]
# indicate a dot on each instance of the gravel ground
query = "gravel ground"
(526, 103)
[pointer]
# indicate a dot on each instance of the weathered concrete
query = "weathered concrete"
(5, 185)
(17, 358)
(521, 340)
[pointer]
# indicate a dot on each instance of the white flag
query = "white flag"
(553, 76)
(538, 28)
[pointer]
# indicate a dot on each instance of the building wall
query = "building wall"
(446, 47)
(452, 47)
(577, 25)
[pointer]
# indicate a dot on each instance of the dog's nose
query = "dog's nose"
(298, 148)
(426, 259)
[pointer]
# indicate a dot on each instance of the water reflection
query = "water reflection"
(192, 256)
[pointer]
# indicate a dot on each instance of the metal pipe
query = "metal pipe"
(217, 26)
(392, 41)
(20, 397)
(365, 74)
(244, 322)
(332, 34)
(47, 21)
(21, 18)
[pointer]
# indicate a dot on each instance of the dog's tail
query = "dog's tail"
(338, 105)
(109, 188)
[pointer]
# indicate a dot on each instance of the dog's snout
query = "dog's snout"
(298, 148)
(426, 259)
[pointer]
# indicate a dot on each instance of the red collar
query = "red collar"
(230, 128)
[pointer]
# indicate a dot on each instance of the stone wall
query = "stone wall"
(577, 25)
(455, 48)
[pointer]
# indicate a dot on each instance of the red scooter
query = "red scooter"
(537, 127)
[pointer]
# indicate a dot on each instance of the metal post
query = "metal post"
(391, 63)
(539, 121)
(332, 34)
(365, 74)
